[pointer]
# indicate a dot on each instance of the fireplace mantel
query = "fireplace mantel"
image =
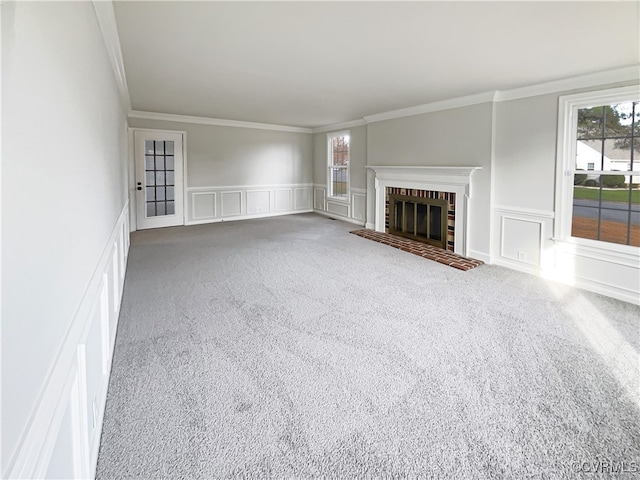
(456, 179)
(452, 175)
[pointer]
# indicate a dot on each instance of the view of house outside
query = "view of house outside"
(606, 196)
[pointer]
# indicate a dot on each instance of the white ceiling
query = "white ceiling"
(311, 64)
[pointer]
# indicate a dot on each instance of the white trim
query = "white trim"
(264, 190)
(246, 202)
(236, 218)
(353, 210)
(228, 193)
(335, 216)
(492, 189)
(621, 293)
(193, 205)
(625, 74)
(624, 255)
(107, 21)
(432, 107)
(289, 192)
(295, 198)
(529, 212)
(140, 136)
(478, 255)
(220, 122)
(251, 187)
(566, 149)
(370, 226)
(330, 166)
(541, 236)
(340, 126)
(37, 441)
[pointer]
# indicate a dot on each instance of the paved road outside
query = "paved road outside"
(612, 211)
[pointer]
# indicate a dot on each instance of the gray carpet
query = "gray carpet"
(287, 348)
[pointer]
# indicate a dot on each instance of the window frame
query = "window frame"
(331, 166)
(568, 106)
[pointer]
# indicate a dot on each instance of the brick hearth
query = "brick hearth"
(421, 249)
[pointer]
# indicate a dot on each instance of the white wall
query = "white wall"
(64, 239)
(454, 137)
(524, 202)
(353, 209)
(235, 172)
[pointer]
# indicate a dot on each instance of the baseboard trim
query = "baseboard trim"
(236, 218)
(619, 293)
(477, 255)
(340, 217)
(518, 266)
(608, 290)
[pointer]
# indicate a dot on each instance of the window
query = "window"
(598, 196)
(338, 148)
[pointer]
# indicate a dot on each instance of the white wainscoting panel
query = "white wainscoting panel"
(523, 239)
(231, 203)
(301, 198)
(336, 208)
(258, 201)
(359, 206)
(283, 200)
(248, 201)
(353, 211)
(598, 269)
(319, 199)
(203, 204)
(63, 435)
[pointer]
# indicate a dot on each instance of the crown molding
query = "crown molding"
(625, 74)
(457, 102)
(107, 21)
(220, 122)
(340, 126)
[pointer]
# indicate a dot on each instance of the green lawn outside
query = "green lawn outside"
(608, 195)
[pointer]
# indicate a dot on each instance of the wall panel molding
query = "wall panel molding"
(248, 201)
(231, 203)
(522, 238)
(203, 205)
(58, 433)
(283, 201)
(258, 201)
(354, 210)
(301, 198)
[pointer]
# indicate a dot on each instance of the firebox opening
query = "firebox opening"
(423, 219)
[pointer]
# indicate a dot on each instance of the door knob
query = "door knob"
(139, 188)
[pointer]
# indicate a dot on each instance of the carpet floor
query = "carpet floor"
(287, 348)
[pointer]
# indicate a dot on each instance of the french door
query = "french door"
(159, 179)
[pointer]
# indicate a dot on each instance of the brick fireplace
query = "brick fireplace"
(444, 203)
(450, 184)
